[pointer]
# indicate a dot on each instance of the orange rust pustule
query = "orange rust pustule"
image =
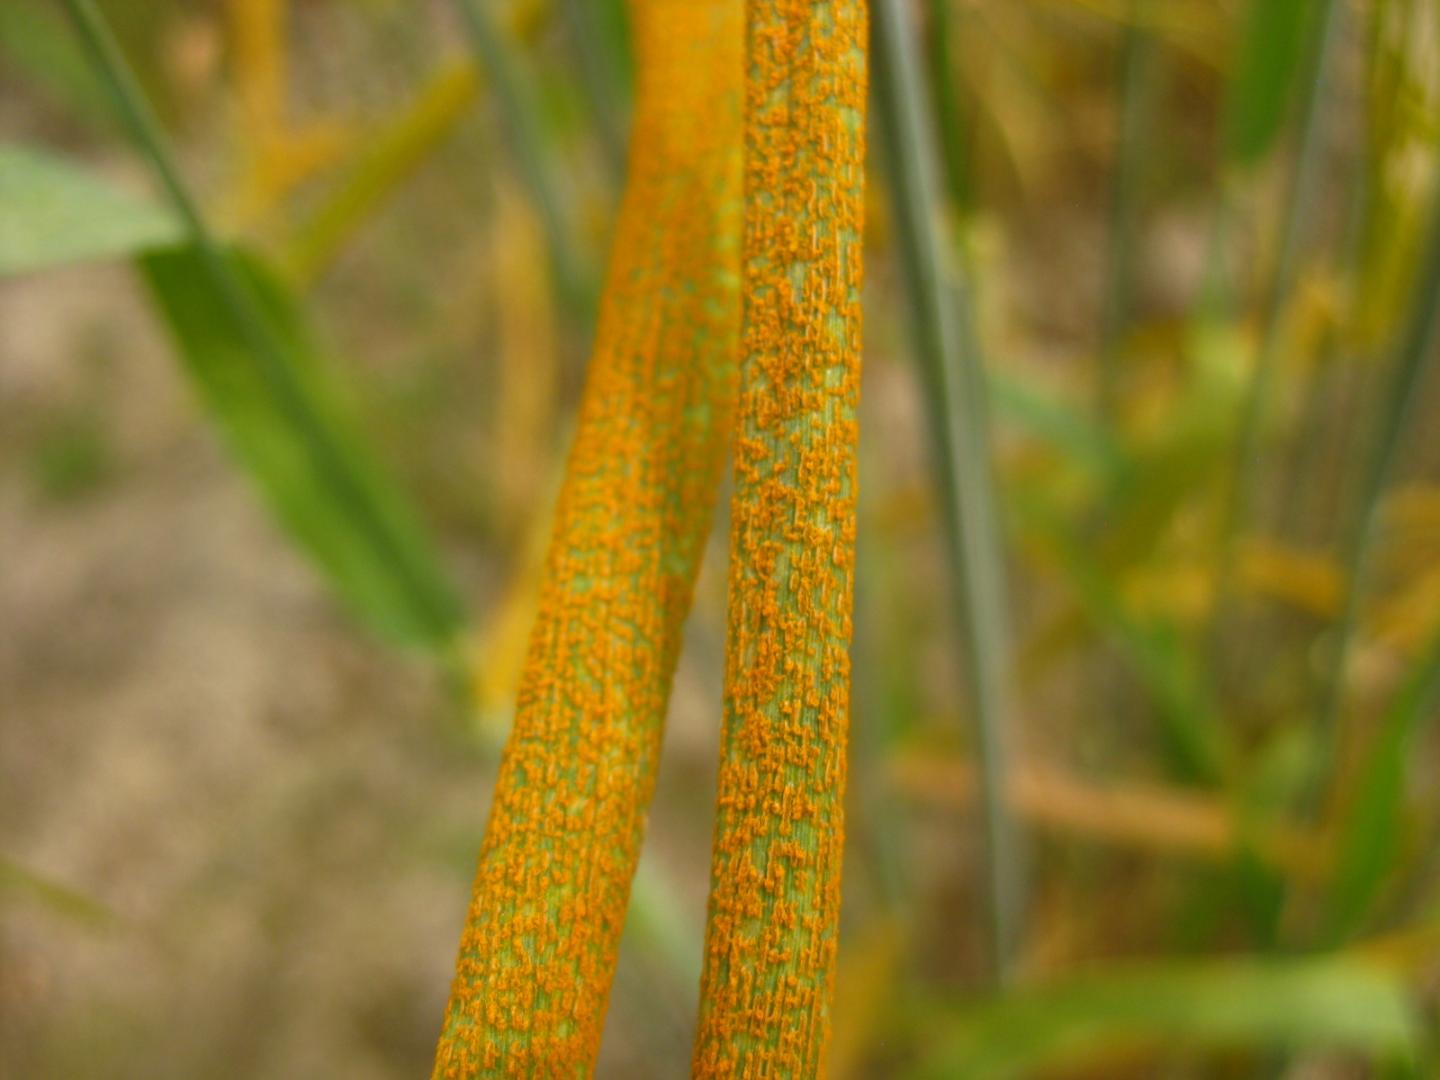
(775, 876)
(538, 952)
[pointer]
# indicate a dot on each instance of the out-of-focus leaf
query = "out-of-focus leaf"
(1308, 581)
(1058, 424)
(1267, 64)
(16, 880)
(1315, 59)
(870, 967)
(951, 369)
(1272, 783)
(1338, 1003)
(380, 165)
(1126, 813)
(601, 74)
(1372, 829)
(278, 151)
(1195, 28)
(515, 101)
(35, 39)
(1194, 738)
(1181, 440)
(356, 526)
(54, 212)
(1392, 421)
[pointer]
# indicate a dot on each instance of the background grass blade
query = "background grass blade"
(21, 883)
(951, 121)
(1371, 840)
(1195, 742)
(954, 391)
(1137, 61)
(574, 278)
(385, 160)
(1267, 60)
(1414, 357)
(53, 213)
(1315, 60)
(395, 584)
(35, 41)
(1269, 63)
(1023, 405)
(1337, 1003)
(601, 73)
(226, 293)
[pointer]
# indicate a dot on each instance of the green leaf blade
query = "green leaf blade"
(1334, 1003)
(1267, 70)
(393, 582)
(1372, 827)
(54, 212)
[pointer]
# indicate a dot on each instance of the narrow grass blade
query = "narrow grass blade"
(36, 43)
(954, 383)
(1316, 60)
(1335, 1003)
(1072, 432)
(1265, 67)
(1193, 737)
(601, 75)
(376, 557)
(239, 300)
(1137, 58)
(1268, 67)
(879, 835)
(53, 213)
(523, 128)
(384, 162)
(1370, 842)
(1414, 358)
(17, 881)
(950, 116)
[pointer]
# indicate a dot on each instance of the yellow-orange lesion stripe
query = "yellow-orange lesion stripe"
(539, 947)
(775, 879)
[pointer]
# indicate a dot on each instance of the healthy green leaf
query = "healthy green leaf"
(1393, 420)
(519, 112)
(54, 212)
(356, 526)
(952, 373)
(1267, 68)
(1372, 827)
(36, 43)
(1317, 58)
(1055, 422)
(1335, 1003)
(1196, 743)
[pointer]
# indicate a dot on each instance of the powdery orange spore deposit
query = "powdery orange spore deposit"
(775, 878)
(539, 948)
